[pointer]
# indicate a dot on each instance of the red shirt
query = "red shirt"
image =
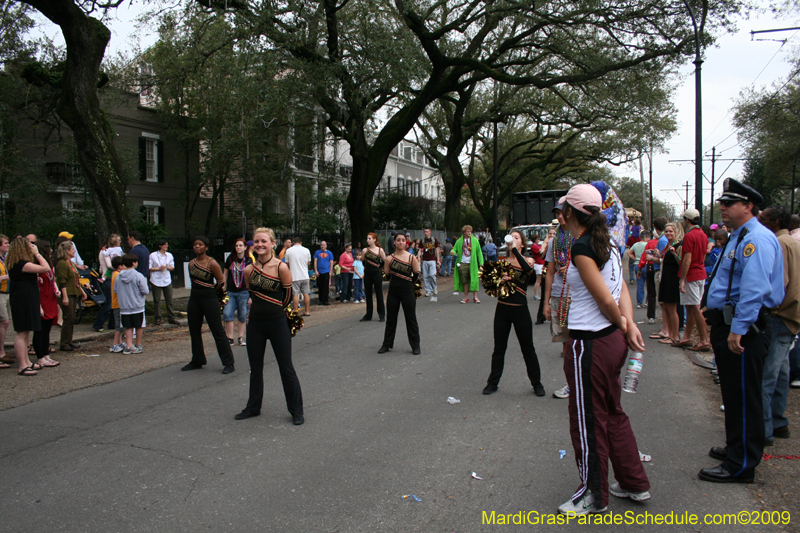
(346, 262)
(536, 253)
(696, 243)
(652, 244)
(47, 294)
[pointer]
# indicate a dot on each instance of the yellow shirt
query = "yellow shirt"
(3, 272)
(114, 301)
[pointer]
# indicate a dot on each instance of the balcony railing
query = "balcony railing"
(64, 174)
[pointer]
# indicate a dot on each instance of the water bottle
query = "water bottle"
(635, 364)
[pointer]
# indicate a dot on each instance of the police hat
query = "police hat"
(733, 190)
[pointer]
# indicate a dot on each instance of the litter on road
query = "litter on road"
(476, 476)
(452, 401)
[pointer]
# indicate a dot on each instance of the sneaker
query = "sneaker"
(241, 342)
(434, 299)
(638, 306)
(456, 293)
(584, 506)
(138, 348)
(435, 292)
(128, 351)
(230, 341)
(562, 393)
(619, 492)
(536, 297)
(795, 384)
(101, 330)
(651, 320)
(117, 348)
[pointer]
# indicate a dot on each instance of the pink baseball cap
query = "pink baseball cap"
(582, 196)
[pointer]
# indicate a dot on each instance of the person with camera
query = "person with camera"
(746, 282)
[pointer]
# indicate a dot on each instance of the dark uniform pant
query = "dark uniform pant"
(373, 283)
(277, 332)
(520, 317)
(740, 379)
(208, 307)
(401, 296)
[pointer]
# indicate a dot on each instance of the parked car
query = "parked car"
(527, 230)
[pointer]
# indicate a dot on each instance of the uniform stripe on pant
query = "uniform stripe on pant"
(599, 428)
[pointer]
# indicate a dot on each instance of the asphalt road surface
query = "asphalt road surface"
(162, 452)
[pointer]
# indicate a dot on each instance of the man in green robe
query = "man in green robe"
(468, 260)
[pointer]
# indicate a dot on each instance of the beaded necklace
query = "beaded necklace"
(237, 271)
(562, 245)
(565, 300)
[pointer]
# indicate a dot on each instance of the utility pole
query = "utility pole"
(714, 159)
(698, 115)
(686, 199)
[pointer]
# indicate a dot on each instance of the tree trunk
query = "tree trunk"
(453, 178)
(79, 107)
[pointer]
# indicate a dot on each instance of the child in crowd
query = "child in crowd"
(337, 279)
(116, 267)
(720, 240)
(131, 288)
(358, 279)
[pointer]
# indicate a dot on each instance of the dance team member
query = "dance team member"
(269, 281)
(374, 257)
(404, 269)
(513, 309)
(601, 327)
(205, 274)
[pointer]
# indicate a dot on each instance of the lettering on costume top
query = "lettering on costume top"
(371, 261)
(519, 279)
(201, 276)
(400, 269)
(268, 293)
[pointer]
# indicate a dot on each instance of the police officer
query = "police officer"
(746, 281)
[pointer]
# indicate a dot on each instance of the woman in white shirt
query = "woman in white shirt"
(601, 328)
(109, 251)
(161, 266)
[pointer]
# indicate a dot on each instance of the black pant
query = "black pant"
(373, 282)
(41, 339)
(681, 316)
(401, 295)
(105, 309)
(347, 284)
(323, 287)
(740, 382)
(520, 317)
(277, 331)
(208, 307)
(651, 292)
(540, 312)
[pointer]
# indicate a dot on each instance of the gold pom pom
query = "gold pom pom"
(295, 320)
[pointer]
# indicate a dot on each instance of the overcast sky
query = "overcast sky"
(734, 64)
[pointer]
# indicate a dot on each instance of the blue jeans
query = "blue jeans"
(633, 267)
(640, 280)
(775, 384)
(237, 304)
(447, 264)
(358, 288)
(346, 281)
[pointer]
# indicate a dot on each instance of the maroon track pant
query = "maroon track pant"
(599, 428)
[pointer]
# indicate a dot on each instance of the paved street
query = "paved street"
(161, 451)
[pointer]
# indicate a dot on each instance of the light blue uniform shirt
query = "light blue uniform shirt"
(757, 275)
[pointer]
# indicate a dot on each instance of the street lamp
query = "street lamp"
(698, 117)
(497, 126)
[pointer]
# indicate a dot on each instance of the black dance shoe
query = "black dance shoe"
(382, 319)
(298, 420)
(227, 369)
(416, 351)
(245, 414)
(365, 319)
(192, 366)
(538, 390)
(383, 349)
(490, 389)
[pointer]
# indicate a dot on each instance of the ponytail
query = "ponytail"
(597, 228)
